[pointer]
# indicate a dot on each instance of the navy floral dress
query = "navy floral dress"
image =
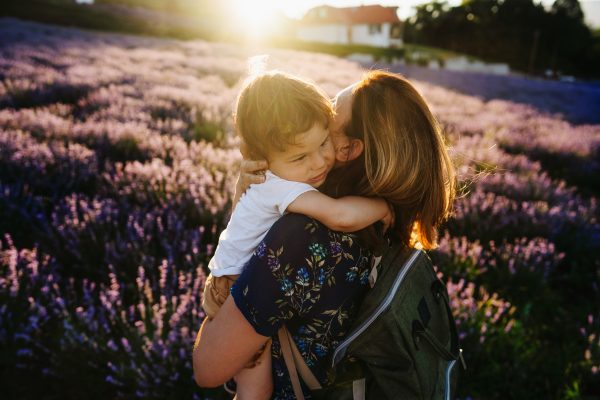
(309, 278)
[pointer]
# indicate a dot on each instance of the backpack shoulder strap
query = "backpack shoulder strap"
(295, 363)
(288, 357)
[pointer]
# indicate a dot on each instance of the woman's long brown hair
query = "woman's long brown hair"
(405, 159)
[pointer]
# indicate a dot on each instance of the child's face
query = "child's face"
(308, 160)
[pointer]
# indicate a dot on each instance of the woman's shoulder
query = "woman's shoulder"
(299, 248)
(293, 228)
(299, 226)
(292, 222)
(298, 234)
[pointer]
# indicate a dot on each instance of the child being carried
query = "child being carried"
(283, 120)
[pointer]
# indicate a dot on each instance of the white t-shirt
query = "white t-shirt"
(255, 213)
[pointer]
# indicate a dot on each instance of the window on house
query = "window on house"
(374, 29)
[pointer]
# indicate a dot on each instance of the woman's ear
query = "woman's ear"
(351, 149)
(355, 149)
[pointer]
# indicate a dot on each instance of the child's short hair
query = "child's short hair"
(274, 107)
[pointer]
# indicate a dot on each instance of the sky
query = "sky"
(297, 8)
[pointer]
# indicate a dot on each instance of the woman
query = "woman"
(311, 279)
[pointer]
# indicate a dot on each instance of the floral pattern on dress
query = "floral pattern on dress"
(309, 278)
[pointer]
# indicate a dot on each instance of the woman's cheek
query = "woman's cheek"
(339, 139)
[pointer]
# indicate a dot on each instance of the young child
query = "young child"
(284, 120)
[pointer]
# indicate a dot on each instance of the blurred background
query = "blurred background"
(554, 40)
(118, 161)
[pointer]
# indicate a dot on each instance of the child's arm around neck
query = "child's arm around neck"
(346, 214)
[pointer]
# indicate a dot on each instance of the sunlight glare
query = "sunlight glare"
(256, 19)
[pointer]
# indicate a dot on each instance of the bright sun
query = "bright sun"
(255, 18)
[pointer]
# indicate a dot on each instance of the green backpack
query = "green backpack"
(404, 342)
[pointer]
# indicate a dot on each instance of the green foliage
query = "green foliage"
(104, 19)
(208, 131)
(519, 32)
(183, 7)
(127, 148)
(340, 50)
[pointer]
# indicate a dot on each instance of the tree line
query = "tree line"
(520, 33)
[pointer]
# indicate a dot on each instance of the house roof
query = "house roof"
(373, 14)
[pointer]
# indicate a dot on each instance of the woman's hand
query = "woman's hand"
(251, 172)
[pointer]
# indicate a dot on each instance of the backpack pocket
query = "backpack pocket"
(434, 341)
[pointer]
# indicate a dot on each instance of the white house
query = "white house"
(369, 25)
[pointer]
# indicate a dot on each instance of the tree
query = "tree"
(518, 32)
(571, 8)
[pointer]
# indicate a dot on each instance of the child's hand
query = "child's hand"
(389, 219)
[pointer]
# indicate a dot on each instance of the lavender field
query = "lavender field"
(117, 167)
(577, 102)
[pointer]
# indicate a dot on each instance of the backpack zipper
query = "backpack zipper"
(341, 349)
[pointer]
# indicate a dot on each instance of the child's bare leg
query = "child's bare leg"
(256, 383)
